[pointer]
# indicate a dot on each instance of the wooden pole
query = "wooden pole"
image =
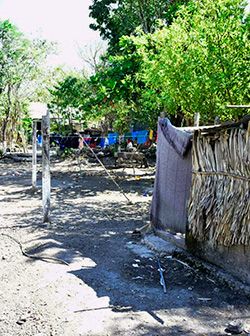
(238, 106)
(34, 155)
(217, 120)
(163, 114)
(46, 184)
(197, 119)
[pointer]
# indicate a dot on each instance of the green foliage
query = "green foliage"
(20, 73)
(201, 62)
(117, 18)
(113, 88)
(119, 94)
(69, 98)
(67, 153)
(196, 59)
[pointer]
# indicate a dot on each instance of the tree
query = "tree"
(117, 18)
(91, 56)
(69, 100)
(200, 63)
(20, 67)
(118, 89)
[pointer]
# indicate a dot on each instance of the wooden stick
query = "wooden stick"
(162, 115)
(238, 106)
(34, 155)
(46, 167)
(197, 119)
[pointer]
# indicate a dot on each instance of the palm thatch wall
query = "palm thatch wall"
(219, 207)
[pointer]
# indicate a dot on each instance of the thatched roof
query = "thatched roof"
(243, 123)
(219, 209)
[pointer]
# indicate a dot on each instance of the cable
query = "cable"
(107, 172)
(43, 258)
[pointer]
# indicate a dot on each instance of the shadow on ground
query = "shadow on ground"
(91, 220)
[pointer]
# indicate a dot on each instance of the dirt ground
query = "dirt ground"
(111, 285)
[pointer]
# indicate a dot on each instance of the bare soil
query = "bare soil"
(111, 285)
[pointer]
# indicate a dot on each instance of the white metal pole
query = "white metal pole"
(197, 119)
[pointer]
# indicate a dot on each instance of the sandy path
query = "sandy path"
(108, 288)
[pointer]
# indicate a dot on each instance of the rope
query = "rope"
(107, 172)
(97, 137)
(43, 258)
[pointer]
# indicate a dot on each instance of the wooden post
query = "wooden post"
(34, 154)
(197, 119)
(46, 167)
(217, 120)
(119, 144)
(248, 131)
(162, 114)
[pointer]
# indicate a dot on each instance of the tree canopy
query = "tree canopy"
(196, 62)
(201, 61)
(117, 18)
(21, 74)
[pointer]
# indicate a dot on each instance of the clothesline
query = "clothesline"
(95, 137)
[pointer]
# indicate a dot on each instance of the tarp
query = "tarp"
(112, 138)
(140, 136)
(173, 178)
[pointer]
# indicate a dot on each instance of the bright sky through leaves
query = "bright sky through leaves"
(63, 21)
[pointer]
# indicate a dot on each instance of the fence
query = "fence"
(219, 207)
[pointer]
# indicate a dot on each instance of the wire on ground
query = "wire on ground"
(43, 258)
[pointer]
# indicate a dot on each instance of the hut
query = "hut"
(219, 205)
(204, 192)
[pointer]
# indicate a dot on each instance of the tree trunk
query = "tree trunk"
(6, 120)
